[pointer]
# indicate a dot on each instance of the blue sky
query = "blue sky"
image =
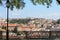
(30, 10)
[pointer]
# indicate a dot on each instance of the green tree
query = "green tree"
(43, 2)
(19, 4)
(24, 21)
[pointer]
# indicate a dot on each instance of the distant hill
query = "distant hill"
(24, 21)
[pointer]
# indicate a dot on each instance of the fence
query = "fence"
(42, 34)
(34, 35)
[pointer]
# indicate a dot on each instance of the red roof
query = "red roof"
(10, 24)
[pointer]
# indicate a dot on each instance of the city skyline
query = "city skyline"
(38, 11)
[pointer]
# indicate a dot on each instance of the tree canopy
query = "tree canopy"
(42, 2)
(20, 4)
(24, 21)
(15, 3)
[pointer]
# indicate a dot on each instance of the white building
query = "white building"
(1, 22)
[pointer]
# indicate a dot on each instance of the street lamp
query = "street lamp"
(7, 31)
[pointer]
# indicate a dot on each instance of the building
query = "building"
(2, 21)
(10, 26)
(25, 27)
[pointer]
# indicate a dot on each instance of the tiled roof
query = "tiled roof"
(11, 25)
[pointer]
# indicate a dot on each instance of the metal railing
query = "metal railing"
(34, 35)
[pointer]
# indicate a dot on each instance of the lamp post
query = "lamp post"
(7, 31)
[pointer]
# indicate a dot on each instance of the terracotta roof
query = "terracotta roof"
(11, 25)
(26, 26)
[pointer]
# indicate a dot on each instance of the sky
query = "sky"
(30, 10)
